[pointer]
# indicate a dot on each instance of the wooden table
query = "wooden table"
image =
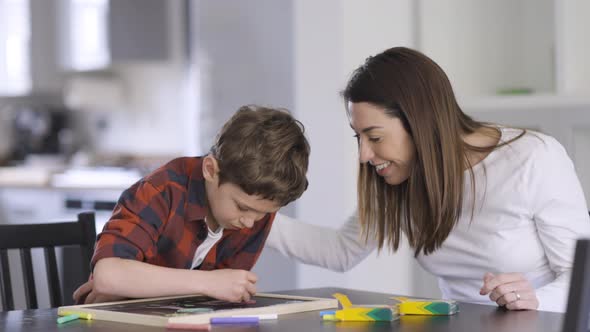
(471, 318)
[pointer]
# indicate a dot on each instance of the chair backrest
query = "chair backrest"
(578, 305)
(47, 236)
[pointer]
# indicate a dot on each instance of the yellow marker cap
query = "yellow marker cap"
(343, 299)
(81, 315)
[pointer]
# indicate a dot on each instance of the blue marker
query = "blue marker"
(327, 312)
(234, 320)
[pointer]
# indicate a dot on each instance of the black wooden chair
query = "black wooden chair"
(48, 236)
(578, 304)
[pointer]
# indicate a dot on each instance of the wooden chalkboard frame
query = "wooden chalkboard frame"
(290, 304)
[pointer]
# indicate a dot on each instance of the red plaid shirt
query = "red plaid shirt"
(160, 220)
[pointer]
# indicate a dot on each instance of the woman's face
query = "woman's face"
(383, 142)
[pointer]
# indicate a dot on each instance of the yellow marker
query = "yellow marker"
(363, 313)
(366, 314)
(410, 306)
(428, 308)
(343, 299)
(79, 314)
(329, 317)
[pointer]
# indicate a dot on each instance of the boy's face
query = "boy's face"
(229, 206)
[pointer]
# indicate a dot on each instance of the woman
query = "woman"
(493, 212)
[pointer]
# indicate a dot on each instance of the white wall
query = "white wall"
(243, 54)
(152, 120)
(568, 123)
(332, 38)
(580, 152)
(484, 46)
(573, 46)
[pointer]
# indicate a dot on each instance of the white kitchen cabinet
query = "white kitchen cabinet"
(47, 204)
(14, 47)
(29, 205)
(40, 39)
(95, 34)
(490, 49)
(28, 52)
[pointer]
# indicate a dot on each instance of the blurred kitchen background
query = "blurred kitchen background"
(96, 93)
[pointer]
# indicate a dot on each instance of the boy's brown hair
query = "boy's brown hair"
(264, 152)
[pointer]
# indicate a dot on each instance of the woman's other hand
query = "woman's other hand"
(510, 290)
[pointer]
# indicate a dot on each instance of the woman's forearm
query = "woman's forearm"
(334, 249)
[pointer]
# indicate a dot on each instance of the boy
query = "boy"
(198, 224)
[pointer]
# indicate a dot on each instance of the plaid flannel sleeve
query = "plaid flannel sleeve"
(136, 223)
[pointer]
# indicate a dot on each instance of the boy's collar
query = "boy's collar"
(197, 207)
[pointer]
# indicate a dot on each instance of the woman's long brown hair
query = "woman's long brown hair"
(410, 86)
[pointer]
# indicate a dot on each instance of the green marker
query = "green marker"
(68, 318)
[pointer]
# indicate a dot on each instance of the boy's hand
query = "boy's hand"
(231, 285)
(85, 294)
(510, 290)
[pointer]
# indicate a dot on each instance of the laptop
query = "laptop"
(578, 305)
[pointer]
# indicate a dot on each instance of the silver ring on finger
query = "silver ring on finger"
(517, 295)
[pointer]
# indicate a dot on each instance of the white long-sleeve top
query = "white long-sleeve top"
(530, 209)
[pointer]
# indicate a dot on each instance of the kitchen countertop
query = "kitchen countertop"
(98, 178)
(35, 177)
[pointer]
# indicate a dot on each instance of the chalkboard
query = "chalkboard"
(163, 311)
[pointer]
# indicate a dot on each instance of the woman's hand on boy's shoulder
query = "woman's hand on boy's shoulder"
(230, 285)
(510, 290)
